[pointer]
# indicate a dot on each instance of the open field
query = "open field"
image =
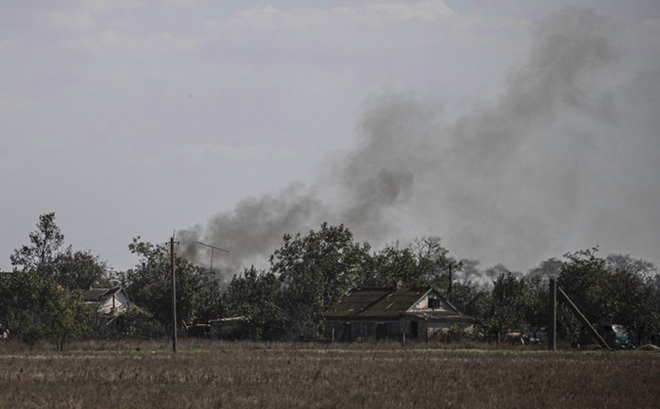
(241, 375)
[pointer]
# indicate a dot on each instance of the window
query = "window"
(434, 303)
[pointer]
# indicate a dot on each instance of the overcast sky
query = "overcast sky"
(138, 117)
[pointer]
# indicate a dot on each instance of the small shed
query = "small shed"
(108, 301)
(393, 312)
(228, 328)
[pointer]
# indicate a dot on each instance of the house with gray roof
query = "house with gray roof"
(393, 312)
(108, 301)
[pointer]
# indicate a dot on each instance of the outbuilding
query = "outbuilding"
(229, 328)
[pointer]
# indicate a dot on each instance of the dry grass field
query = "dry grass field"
(389, 375)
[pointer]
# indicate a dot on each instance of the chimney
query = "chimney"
(397, 285)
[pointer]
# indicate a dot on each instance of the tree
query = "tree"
(34, 307)
(316, 270)
(80, 270)
(636, 299)
(257, 295)
(615, 290)
(149, 285)
(433, 264)
(44, 246)
(424, 262)
(586, 280)
(471, 300)
(44, 255)
(548, 269)
(625, 264)
(509, 304)
(393, 265)
(210, 301)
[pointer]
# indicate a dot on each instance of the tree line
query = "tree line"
(306, 275)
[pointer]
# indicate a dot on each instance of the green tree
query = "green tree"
(509, 304)
(537, 301)
(149, 285)
(257, 295)
(636, 299)
(615, 290)
(316, 270)
(45, 243)
(587, 281)
(393, 265)
(433, 262)
(471, 300)
(424, 262)
(80, 270)
(34, 307)
(44, 255)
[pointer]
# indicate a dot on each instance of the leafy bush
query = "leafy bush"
(34, 307)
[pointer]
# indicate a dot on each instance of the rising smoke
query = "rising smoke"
(566, 158)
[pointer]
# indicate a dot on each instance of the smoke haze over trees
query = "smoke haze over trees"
(566, 157)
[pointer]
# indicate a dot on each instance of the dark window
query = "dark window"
(381, 330)
(414, 330)
(434, 303)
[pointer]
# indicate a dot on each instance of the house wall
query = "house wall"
(435, 328)
(121, 303)
(355, 330)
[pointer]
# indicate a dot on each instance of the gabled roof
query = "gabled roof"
(99, 294)
(389, 302)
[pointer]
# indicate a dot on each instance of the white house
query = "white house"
(111, 301)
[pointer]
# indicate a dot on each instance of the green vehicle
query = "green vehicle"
(616, 336)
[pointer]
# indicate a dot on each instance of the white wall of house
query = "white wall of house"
(119, 302)
(423, 304)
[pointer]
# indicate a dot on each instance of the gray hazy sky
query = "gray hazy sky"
(138, 117)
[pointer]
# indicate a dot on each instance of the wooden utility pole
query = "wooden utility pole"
(173, 295)
(582, 318)
(552, 328)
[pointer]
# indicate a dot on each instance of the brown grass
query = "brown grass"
(372, 375)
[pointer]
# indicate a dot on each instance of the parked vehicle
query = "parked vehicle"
(538, 337)
(616, 336)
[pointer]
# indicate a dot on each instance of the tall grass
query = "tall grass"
(141, 374)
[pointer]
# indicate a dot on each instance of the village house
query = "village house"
(393, 312)
(108, 301)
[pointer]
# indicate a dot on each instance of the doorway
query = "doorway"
(381, 330)
(414, 330)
